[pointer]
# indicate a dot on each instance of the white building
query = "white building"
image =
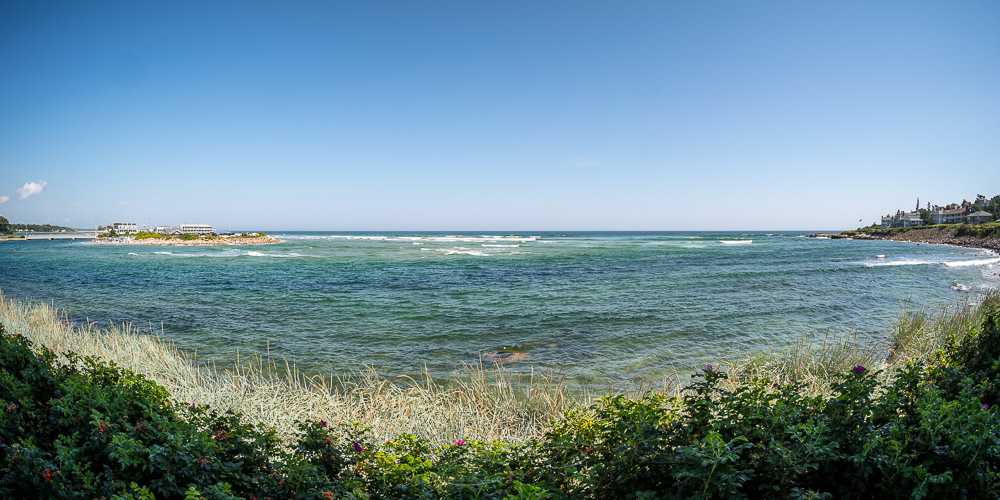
(979, 217)
(947, 216)
(199, 229)
(124, 227)
(902, 219)
(168, 230)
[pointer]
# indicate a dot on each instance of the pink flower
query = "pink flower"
(858, 369)
(357, 447)
(986, 406)
(708, 368)
(322, 422)
(458, 442)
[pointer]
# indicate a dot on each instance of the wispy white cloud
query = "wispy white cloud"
(31, 188)
(4, 199)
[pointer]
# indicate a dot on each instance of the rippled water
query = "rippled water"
(618, 307)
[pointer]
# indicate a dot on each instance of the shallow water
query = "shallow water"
(605, 307)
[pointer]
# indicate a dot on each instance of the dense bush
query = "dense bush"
(90, 430)
(985, 230)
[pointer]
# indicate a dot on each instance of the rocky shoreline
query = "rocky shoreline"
(936, 235)
(215, 241)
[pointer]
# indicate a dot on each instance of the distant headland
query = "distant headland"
(967, 224)
(183, 235)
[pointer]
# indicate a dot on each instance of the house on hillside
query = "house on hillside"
(979, 217)
(948, 216)
(902, 219)
(912, 219)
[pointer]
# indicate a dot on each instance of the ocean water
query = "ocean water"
(602, 307)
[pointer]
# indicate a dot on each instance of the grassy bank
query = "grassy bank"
(71, 427)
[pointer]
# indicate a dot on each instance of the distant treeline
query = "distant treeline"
(8, 227)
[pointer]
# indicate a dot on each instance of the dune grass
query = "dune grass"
(489, 402)
(817, 363)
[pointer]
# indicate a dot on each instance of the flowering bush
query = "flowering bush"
(87, 429)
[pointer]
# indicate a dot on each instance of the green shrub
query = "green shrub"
(985, 230)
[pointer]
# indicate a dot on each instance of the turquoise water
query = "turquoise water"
(604, 307)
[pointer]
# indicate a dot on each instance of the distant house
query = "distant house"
(902, 219)
(124, 227)
(979, 217)
(912, 219)
(199, 229)
(948, 216)
(169, 230)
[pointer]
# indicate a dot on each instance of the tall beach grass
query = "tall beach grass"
(817, 362)
(487, 403)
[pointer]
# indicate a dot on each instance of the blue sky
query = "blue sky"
(495, 115)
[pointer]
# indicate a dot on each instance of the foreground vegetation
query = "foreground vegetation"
(924, 426)
(88, 429)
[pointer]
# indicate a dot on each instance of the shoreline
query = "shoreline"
(218, 241)
(940, 236)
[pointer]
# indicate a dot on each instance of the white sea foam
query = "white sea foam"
(977, 262)
(880, 256)
(958, 287)
(461, 251)
(501, 246)
(736, 242)
(481, 239)
(692, 246)
(904, 262)
(350, 237)
(822, 237)
(163, 253)
(920, 262)
(252, 253)
(133, 253)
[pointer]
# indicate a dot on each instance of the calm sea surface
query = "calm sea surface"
(605, 307)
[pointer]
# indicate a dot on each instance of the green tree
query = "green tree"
(993, 206)
(926, 216)
(4, 225)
